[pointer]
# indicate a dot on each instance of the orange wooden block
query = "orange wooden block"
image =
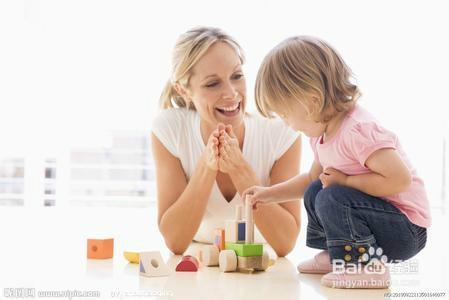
(219, 238)
(100, 248)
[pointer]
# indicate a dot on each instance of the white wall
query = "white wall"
(72, 70)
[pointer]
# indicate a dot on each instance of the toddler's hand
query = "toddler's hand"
(259, 195)
(331, 176)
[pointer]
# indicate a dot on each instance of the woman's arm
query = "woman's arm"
(389, 175)
(181, 204)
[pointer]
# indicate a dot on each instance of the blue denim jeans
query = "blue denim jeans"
(354, 226)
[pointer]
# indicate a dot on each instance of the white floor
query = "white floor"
(45, 249)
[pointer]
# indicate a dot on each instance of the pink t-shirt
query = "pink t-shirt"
(359, 136)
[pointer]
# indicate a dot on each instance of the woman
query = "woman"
(208, 151)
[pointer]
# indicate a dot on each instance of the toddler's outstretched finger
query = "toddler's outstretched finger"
(248, 192)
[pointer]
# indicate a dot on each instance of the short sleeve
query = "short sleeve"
(282, 138)
(363, 139)
(166, 127)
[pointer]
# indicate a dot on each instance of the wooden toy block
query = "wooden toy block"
(238, 212)
(219, 238)
(152, 265)
(241, 227)
(208, 255)
(249, 229)
(256, 263)
(228, 261)
(188, 263)
(231, 231)
(235, 231)
(100, 248)
(245, 249)
(132, 257)
(265, 261)
(249, 262)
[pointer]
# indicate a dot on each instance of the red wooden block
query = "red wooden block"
(188, 264)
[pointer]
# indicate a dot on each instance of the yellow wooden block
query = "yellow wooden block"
(132, 257)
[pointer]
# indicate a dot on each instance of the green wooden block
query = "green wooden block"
(245, 249)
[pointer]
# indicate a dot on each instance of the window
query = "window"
(12, 182)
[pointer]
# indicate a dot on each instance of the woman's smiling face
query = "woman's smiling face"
(217, 86)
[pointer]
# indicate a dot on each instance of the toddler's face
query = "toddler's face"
(299, 120)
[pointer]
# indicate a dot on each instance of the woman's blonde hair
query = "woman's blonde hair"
(299, 67)
(189, 48)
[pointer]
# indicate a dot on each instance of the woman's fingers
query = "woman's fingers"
(229, 131)
(225, 138)
(212, 145)
(216, 151)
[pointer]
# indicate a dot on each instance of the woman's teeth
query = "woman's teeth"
(231, 108)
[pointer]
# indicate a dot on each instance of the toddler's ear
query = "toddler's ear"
(316, 102)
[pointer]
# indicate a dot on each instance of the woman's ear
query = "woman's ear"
(179, 89)
(182, 91)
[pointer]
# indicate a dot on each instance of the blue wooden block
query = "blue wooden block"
(241, 231)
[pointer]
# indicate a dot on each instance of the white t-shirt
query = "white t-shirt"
(265, 141)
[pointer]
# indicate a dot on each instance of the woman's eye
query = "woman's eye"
(237, 76)
(212, 84)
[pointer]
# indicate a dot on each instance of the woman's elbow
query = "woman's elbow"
(175, 247)
(173, 244)
(284, 250)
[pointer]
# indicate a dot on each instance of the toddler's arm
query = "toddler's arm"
(389, 175)
(289, 190)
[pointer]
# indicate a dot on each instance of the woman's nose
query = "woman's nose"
(229, 92)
